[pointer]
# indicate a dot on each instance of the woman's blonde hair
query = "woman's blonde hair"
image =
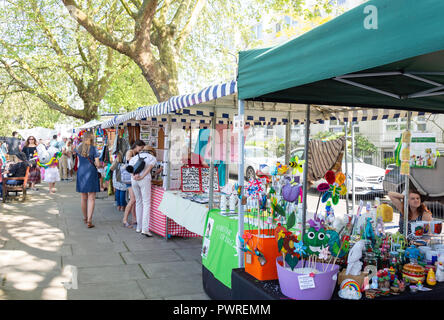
(88, 141)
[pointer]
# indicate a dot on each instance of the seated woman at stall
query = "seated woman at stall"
(15, 170)
(417, 210)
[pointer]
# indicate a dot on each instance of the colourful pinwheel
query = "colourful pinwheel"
(299, 248)
(324, 254)
(336, 187)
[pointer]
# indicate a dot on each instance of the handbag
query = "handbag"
(137, 167)
(125, 176)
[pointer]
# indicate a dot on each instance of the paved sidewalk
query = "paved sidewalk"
(44, 235)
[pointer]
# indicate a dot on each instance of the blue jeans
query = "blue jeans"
(9, 183)
(121, 198)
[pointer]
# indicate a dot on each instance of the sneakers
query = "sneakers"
(147, 234)
(138, 230)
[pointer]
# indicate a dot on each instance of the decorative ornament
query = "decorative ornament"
(315, 239)
(297, 165)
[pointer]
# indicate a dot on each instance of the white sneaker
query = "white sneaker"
(148, 234)
(137, 230)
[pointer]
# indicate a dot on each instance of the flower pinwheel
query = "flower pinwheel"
(334, 188)
(299, 248)
(324, 254)
(254, 188)
(297, 165)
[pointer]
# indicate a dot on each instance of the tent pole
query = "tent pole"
(240, 181)
(167, 148)
(287, 140)
(227, 153)
(346, 166)
(407, 181)
(213, 143)
(353, 167)
(305, 182)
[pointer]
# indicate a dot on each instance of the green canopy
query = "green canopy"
(399, 65)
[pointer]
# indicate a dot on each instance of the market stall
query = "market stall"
(399, 66)
(179, 210)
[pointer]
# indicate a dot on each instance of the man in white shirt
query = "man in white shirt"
(141, 184)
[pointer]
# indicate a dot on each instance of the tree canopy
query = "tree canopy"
(83, 57)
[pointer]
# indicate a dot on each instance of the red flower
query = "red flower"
(330, 177)
(323, 187)
(312, 274)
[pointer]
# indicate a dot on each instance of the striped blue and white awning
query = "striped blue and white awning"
(151, 111)
(109, 123)
(209, 93)
(192, 108)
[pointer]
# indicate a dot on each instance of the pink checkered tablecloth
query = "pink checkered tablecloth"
(158, 221)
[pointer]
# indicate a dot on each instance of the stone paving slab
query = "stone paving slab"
(150, 244)
(21, 260)
(151, 256)
(193, 254)
(48, 293)
(119, 290)
(40, 237)
(98, 248)
(172, 269)
(93, 260)
(26, 281)
(172, 286)
(187, 242)
(58, 249)
(87, 239)
(110, 274)
(199, 296)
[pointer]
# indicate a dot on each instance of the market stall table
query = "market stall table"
(246, 287)
(158, 220)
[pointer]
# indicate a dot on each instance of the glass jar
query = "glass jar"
(370, 259)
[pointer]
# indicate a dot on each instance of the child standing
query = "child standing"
(52, 176)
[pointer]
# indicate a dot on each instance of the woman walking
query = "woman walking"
(29, 149)
(87, 176)
(141, 185)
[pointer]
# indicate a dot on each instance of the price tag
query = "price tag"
(306, 282)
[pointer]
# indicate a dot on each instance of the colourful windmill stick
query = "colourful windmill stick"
(334, 261)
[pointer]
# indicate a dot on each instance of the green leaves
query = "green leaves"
(291, 220)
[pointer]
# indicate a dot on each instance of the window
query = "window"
(392, 127)
(287, 20)
(335, 129)
(388, 154)
(257, 30)
(396, 124)
(278, 27)
(422, 127)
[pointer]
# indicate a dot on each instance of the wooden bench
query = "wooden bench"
(16, 188)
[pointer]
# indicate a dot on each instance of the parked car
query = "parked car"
(254, 157)
(368, 178)
(393, 180)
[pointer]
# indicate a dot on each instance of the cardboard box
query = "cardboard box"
(359, 279)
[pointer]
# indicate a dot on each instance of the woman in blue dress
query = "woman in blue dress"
(87, 176)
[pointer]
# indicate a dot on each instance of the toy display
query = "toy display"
(413, 272)
(351, 251)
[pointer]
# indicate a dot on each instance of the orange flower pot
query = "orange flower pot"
(267, 245)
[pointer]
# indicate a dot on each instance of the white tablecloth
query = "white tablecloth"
(186, 213)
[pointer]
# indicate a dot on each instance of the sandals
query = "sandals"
(85, 220)
(127, 225)
(90, 225)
